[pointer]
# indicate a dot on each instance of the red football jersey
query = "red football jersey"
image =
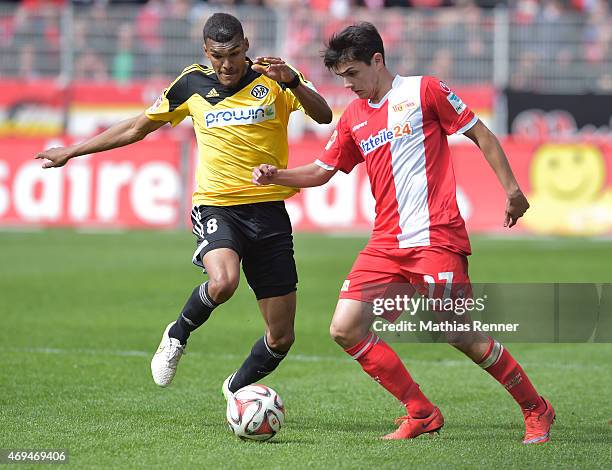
(403, 141)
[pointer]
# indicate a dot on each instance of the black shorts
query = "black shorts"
(261, 235)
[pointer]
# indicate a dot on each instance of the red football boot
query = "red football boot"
(413, 427)
(537, 426)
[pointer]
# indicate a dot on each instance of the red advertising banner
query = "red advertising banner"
(569, 186)
(136, 186)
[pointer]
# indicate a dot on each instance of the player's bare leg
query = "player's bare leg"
(350, 328)
(279, 316)
(489, 354)
(351, 322)
(270, 349)
(223, 268)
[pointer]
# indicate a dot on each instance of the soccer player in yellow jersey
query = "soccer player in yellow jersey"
(240, 110)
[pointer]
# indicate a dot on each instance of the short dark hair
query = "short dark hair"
(358, 42)
(222, 27)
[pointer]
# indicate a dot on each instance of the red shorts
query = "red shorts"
(434, 272)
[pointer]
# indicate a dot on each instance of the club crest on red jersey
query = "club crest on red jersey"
(444, 87)
(404, 106)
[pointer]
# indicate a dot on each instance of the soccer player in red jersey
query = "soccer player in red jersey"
(399, 128)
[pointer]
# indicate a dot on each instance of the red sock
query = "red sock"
(498, 362)
(381, 363)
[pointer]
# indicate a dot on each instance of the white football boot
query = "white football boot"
(166, 358)
(225, 388)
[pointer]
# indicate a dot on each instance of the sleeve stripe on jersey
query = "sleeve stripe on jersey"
(178, 91)
(187, 70)
(468, 126)
(324, 165)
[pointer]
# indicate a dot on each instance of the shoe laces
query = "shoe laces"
(174, 352)
(531, 415)
(402, 419)
(406, 419)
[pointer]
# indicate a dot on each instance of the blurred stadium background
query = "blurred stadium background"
(539, 73)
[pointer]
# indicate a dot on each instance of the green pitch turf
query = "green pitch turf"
(82, 314)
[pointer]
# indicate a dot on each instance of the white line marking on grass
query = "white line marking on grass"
(294, 357)
(92, 352)
(113, 352)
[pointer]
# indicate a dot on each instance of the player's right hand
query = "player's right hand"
(55, 157)
(263, 174)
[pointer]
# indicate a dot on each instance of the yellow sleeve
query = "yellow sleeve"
(171, 106)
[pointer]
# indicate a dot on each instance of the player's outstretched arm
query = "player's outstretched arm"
(314, 104)
(120, 134)
(305, 176)
(516, 202)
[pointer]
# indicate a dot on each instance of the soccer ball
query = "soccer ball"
(255, 412)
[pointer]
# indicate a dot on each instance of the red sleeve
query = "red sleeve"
(453, 114)
(341, 151)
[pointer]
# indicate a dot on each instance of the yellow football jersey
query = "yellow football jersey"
(236, 129)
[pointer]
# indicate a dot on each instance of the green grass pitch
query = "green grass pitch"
(82, 314)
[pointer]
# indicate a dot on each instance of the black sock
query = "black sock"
(261, 362)
(196, 311)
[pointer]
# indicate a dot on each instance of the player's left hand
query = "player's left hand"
(274, 68)
(516, 206)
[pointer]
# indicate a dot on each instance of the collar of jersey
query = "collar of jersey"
(384, 98)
